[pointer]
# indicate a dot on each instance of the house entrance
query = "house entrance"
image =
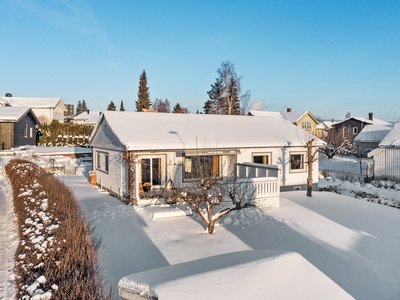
(151, 171)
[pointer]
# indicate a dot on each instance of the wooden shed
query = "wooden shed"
(17, 127)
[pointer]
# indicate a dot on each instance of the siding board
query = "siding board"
(106, 138)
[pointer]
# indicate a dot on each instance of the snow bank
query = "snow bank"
(8, 240)
(238, 275)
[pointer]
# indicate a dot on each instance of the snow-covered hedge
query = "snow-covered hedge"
(57, 256)
(378, 191)
(65, 134)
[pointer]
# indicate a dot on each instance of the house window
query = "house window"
(102, 161)
(151, 170)
(106, 162)
(344, 132)
(355, 130)
(261, 158)
(98, 160)
(31, 132)
(26, 130)
(297, 162)
(201, 166)
(306, 126)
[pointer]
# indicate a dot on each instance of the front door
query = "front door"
(151, 171)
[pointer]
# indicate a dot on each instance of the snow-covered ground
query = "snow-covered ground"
(345, 164)
(8, 240)
(352, 241)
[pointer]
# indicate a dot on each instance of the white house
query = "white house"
(387, 156)
(167, 146)
(46, 109)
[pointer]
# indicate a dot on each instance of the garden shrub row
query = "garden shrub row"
(58, 253)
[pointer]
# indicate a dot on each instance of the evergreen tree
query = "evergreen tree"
(111, 106)
(84, 107)
(122, 108)
(78, 108)
(177, 109)
(224, 96)
(143, 101)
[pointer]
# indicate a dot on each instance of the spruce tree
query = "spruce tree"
(122, 108)
(177, 109)
(143, 101)
(111, 106)
(84, 107)
(78, 108)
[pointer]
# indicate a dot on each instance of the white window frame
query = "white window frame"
(31, 132)
(355, 130)
(344, 132)
(26, 130)
(304, 168)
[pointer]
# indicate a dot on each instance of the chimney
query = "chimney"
(8, 95)
(371, 116)
(289, 110)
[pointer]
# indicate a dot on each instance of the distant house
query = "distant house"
(350, 127)
(387, 156)
(17, 127)
(46, 109)
(167, 146)
(89, 118)
(68, 113)
(370, 137)
(302, 119)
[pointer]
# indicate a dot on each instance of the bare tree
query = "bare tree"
(206, 189)
(312, 157)
(161, 105)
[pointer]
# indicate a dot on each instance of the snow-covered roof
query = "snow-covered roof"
(373, 133)
(328, 124)
(392, 139)
(14, 114)
(259, 113)
(90, 118)
(292, 117)
(364, 120)
(238, 275)
(31, 102)
(151, 131)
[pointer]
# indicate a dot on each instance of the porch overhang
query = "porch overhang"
(201, 152)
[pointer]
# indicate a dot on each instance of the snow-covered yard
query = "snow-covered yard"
(353, 242)
(345, 164)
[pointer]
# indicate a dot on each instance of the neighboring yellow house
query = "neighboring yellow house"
(303, 119)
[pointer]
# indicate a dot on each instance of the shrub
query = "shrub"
(58, 250)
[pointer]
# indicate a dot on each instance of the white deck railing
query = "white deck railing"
(265, 179)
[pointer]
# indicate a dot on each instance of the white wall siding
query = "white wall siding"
(281, 156)
(106, 139)
(387, 163)
(116, 179)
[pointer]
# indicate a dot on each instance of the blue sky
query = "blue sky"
(329, 57)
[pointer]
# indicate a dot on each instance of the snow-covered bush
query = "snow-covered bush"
(57, 256)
